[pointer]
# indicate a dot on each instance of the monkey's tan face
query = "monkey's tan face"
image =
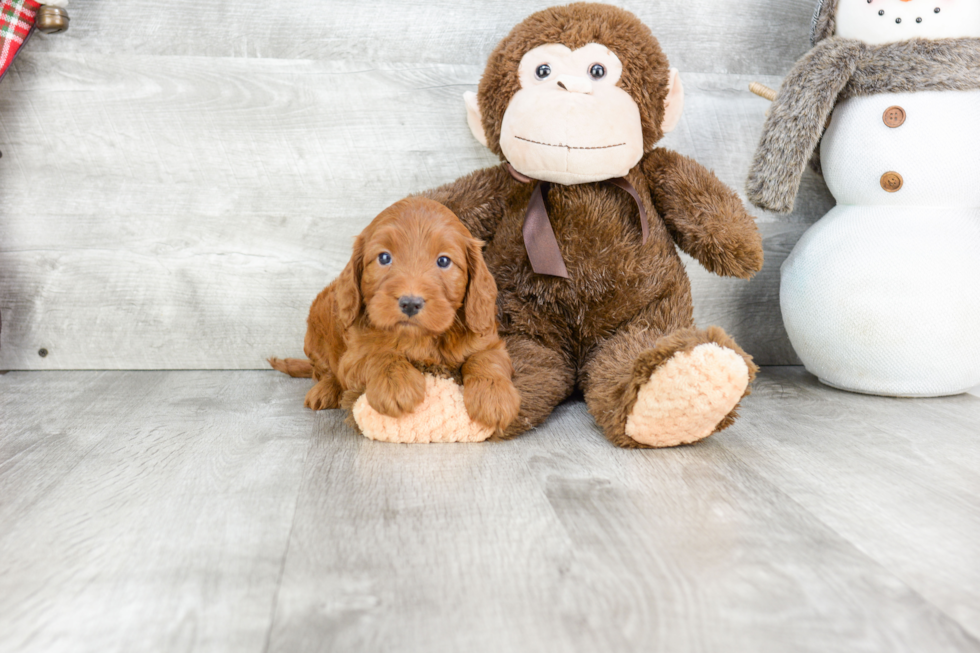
(886, 21)
(570, 123)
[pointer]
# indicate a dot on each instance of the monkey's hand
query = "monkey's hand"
(441, 417)
(705, 217)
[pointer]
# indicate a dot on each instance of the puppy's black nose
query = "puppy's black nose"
(411, 305)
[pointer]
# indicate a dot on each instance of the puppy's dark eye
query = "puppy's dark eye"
(543, 71)
(384, 258)
(443, 262)
(598, 71)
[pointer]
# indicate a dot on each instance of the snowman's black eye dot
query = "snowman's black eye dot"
(881, 13)
(918, 20)
(936, 10)
(898, 20)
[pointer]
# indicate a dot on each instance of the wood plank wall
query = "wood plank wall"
(179, 178)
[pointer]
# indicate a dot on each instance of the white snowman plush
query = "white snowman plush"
(882, 295)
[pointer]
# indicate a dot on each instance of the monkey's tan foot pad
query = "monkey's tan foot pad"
(688, 396)
(441, 417)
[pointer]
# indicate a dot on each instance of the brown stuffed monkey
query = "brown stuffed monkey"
(580, 224)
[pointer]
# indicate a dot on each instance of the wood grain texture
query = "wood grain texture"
(145, 511)
(749, 37)
(583, 548)
(896, 477)
(194, 211)
(208, 511)
(175, 193)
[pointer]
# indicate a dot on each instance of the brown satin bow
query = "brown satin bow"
(539, 236)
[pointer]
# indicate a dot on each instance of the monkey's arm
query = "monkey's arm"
(796, 122)
(479, 199)
(705, 217)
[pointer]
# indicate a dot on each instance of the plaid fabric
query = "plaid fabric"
(16, 24)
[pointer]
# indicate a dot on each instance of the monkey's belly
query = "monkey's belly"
(886, 300)
(929, 139)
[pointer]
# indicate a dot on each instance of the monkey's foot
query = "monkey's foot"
(441, 417)
(688, 397)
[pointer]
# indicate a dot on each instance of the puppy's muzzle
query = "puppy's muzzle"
(410, 305)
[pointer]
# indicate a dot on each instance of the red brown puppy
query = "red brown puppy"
(416, 290)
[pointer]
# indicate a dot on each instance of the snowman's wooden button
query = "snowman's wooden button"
(892, 182)
(894, 117)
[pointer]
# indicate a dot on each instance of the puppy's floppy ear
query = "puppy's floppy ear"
(480, 308)
(350, 302)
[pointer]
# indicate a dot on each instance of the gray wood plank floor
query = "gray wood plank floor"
(207, 511)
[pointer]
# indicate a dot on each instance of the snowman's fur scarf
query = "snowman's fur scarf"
(833, 71)
(824, 21)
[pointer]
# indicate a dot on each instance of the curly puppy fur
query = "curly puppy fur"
(361, 339)
(626, 305)
(833, 71)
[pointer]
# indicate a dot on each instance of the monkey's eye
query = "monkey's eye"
(598, 71)
(444, 262)
(384, 258)
(543, 71)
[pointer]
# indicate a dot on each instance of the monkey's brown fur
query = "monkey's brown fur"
(626, 307)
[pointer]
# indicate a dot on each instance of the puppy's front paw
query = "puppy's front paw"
(397, 393)
(491, 402)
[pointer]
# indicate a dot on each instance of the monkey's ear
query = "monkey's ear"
(474, 118)
(674, 104)
(350, 302)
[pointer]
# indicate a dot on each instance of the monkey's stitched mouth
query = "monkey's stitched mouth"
(569, 147)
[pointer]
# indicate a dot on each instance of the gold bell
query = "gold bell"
(51, 20)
